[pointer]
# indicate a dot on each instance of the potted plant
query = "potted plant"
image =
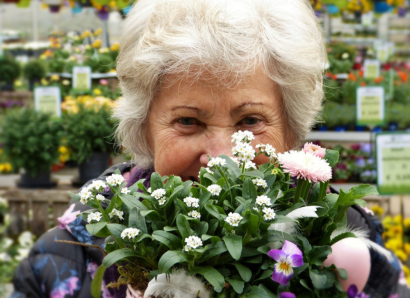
(34, 71)
(89, 129)
(31, 141)
(9, 71)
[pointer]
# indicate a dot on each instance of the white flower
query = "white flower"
(97, 185)
(256, 209)
(250, 165)
(22, 253)
(268, 149)
(3, 202)
(5, 257)
(244, 152)
(94, 216)
(269, 213)
(194, 214)
(191, 202)
(217, 161)
(158, 193)
(192, 242)
(242, 136)
(26, 239)
(233, 219)
(162, 201)
(125, 190)
(85, 194)
(209, 170)
(263, 201)
(214, 189)
(83, 201)
(100, 198)
(115, 179)
(149, 190)
(236, 160)
(260, 182)
(130, 233)
(116, 213)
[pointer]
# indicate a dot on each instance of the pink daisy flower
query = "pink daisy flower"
(314, 149)
(302, 165)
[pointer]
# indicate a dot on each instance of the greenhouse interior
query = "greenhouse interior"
(110, 108)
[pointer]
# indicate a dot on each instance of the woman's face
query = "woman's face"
(191, 119)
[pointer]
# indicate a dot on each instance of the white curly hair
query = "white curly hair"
(227, 38)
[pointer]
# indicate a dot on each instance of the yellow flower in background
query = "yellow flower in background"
(87, 47)
(401, 255)
(55, 77)
(97, 91)
(394, 244)
(64, 154)
(97, 32)
(44, 6)
(398, 219)
(103, 50)
(377, 210)
(85, 34)
(66, 82)
(96, 44)
(395, 231)
(43, 57)
(44, 82)
(5, 167)
(407, 222)
(18, 83)
(113, 4)
(115, 47)
(407, 248)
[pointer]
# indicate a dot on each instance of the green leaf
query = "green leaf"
(232, 166)
(118, 255)
(237, 285)
(249, 190)
(116, 230)
(319, 254)
(216, 211)
(332, 157)
(136, 220)
(265, 274)
(212, 276)
(342, 273)
(361, 203)
(306, 245)
(201, 228)
(244, 271)
(96, 283)
(151, 214)
(342, 236)
(183, 226)
(98, 229)
(318, 281)
(74, 196)
(170, 258)
(156, 181)
(256, 292)
(253, 224)
(170, 240)
(253, 174)
(132, 202)
(234, 245)
(362, 190)
(213, 249)
(213, 225)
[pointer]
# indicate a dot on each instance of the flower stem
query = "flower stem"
(246, 238)
(299, 189)
(227, 183)
(306, 190)
(323, 188)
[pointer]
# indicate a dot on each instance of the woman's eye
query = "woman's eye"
(187, 121)
(250, 121)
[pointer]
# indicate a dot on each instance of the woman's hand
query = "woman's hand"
(352, 255)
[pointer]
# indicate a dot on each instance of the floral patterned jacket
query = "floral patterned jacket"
(61, 270)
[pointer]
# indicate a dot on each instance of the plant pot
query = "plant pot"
(131, 293)
(341, 128)
(377, 129)
(93, 167)
(393, 126)
(41, 180)
(54, 8)
(360, 128)
(322, 128)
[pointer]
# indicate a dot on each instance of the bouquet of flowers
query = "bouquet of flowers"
(241, 230)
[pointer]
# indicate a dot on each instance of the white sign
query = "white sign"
(383, 52)
(393, 163)
(82, 78)
(370, 106)
(367, 19)
(371, 69)
(391, 48)
(48, 100)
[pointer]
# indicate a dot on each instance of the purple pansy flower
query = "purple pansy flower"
(68, 217)
(286, 295)
(67, 286)
(288, 257)
(352, 292)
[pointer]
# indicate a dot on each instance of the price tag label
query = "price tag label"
(383, 53)
(391, 48)
(393, 163)
(371, 69)
(367, 19)
(370, 106)
(48, 100)
(82, 78)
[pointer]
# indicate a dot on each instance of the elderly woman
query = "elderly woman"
(192, 73)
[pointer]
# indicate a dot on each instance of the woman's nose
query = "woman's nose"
(215, 146)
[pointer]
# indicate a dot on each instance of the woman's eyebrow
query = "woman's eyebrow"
(244, 105)
(198, 111)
